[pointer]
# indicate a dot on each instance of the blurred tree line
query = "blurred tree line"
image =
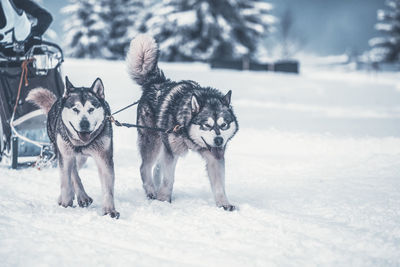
(386, 47)
(187, 30)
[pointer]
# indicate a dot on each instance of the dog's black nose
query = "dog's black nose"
(218, 141)
(84, 124)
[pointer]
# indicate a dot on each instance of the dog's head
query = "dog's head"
(83, 112)
(213, 122)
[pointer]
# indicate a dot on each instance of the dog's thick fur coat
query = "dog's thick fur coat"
(78, 127)
(205, 116)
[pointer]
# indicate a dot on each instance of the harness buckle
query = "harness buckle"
(177, 129)
(111, 118)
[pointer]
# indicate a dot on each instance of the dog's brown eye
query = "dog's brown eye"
(207, 125)
(75, 110)
(224, 126)
(91, 110)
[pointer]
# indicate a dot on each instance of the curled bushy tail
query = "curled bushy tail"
(42, 98)
(142, 60)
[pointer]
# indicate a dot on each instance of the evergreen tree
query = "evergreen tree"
(387, 47)
(204, 30)
(100, 28)
(121, 16)
(85, 29)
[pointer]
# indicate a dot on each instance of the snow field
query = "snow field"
(312, 188)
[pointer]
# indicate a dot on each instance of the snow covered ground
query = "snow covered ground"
(314, 170)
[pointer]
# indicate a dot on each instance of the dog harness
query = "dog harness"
(177, 129)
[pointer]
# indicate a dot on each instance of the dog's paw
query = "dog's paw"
(66, 198)
(151, 196)
(150, 192)
(164, 198)
(229, 207)
(113, 213)
(65, 203)
(84, 201)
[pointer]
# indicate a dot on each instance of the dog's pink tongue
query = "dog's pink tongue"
(84, 136)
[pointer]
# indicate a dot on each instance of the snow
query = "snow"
(377, 41)
(380, 14)
(314, 170)
(263, 6)
(384, 27)
(182, 19)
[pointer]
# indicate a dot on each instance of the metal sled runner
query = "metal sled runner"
(23, 134)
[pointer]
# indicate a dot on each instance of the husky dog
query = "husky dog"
(78, 126)
(203, 115)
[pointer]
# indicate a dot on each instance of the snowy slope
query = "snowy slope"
(314, 171)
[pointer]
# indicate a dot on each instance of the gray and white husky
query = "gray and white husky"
(78, 126)
(203, 114)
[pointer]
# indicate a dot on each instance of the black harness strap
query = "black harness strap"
(177, 129)
(128, 106)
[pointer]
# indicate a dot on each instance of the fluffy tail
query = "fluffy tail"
(142, 60)
(42, 98)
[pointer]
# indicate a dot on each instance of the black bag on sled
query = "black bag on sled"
(29, 121)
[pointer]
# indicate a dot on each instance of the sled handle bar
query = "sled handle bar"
(56, 46)
(46, 43)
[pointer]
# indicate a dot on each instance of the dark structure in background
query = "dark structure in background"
(290, 66)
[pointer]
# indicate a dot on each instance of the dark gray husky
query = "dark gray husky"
(78, 126)
(204, 117)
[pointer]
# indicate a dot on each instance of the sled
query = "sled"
(23, 130)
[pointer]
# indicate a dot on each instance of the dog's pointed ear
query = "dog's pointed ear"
(98, 88)
(195, 104)
(68, 86)
(226, 100)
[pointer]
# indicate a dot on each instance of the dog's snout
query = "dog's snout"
(218, 141)
(84, 125)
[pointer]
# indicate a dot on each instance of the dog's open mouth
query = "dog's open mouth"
(84, 136)
(218, 152)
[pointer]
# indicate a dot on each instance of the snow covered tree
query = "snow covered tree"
(85, 29)
(289, 40)
(100, 28)
(202, 30)
(387, 47)
(121, 16)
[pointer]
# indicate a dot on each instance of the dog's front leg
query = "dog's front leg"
(168, 163)
(105, 165)
(149, 147)
(65, 163)
(216, 174)
(81, 196)
(66, 159)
